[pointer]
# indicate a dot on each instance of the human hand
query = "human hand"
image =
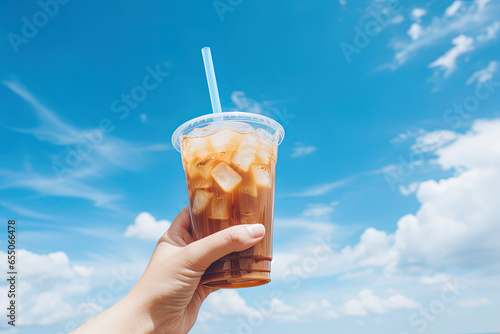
(168, 296)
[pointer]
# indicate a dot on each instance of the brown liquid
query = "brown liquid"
(230, 181)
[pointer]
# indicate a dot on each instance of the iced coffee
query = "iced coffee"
(230, 175)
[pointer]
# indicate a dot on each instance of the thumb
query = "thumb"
(204, 252)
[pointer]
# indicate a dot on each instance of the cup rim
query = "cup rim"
(233, 116)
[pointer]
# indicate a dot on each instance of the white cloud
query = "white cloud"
(470, 20)
(229, 303)
(453, 8)
(300, 150)
(415, 31)
(458, 215)
(455, 226)
(409, 134)
(367, 303)
(477, 150)
(143, 117)
(418, 13)
(484, 74)
(343, 2)
(397, 19)
(373, 249)
(82, 162)
(47, 282)
(448, 61)
(410, 189)
(490, 32)
(473, 302)
(146, 227)
(431, 141)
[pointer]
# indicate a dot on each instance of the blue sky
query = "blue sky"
(387, 215)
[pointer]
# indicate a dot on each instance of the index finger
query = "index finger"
(179, 230)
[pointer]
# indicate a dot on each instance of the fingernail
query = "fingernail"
(256, 230)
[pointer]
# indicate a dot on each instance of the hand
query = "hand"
(169, 295)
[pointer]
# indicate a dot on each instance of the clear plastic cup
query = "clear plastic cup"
(229, 159)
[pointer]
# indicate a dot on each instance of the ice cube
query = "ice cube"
(247, 186)
(198, 171)
(266, 148)
(264, 152)
(194, 147)
(264, 135)
(225, 139)
(225, 176)
(241, 127)
(220, 207)
(244, 154)
(199, 132)
(247, 204)
(199, 182)
(224, 142)
(204, 165)
(200, 201)
(262, 175)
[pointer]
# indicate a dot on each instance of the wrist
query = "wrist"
(134, 313)
(129, 315)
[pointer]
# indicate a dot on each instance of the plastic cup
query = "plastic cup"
(229, 159)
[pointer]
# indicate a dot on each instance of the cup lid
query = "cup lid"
(216, 121)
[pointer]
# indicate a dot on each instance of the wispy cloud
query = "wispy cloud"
(320, 189)
(484, 74)
(26, 212)
(448, 61)
(301, 150)
(453, 8)
(51, 186)
(459, 18)
(274, 109)
(90, 155)
(51, 128)
(490, 32)
(319, 210)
